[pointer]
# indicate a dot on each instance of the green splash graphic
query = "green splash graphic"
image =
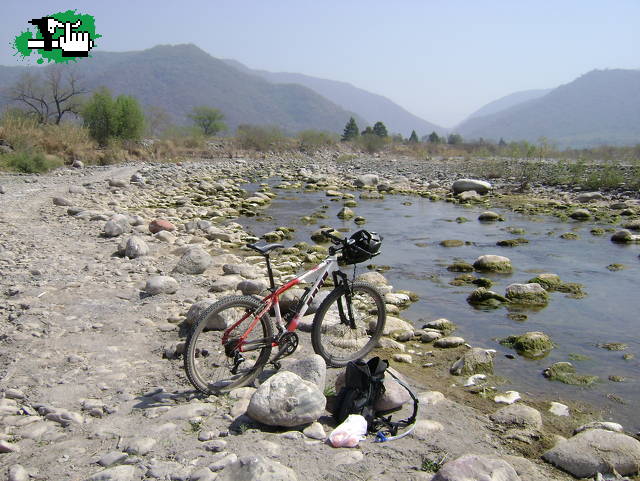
(20, 44)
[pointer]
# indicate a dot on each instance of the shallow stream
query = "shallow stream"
(412, 233)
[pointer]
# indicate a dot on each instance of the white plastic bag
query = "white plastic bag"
(349, 433)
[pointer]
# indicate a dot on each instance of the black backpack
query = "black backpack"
(363, 386)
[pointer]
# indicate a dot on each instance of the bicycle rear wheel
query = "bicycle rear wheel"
(333, 335)
(213, 367)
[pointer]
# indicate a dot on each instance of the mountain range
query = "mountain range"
(602, 106)
(372, 107)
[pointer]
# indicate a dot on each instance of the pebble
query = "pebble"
(216, 446)
(140, 446)
(118, 473)
(7, 447)
(405, 358)
(315, 431)
(348, 457)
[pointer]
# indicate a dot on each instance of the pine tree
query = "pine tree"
(379, 129)
(350, 130)
(502, 143)
(414, 137)
(433, 138)
(367, 131)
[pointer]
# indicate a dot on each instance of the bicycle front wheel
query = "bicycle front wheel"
(214, 366)
(346, 327)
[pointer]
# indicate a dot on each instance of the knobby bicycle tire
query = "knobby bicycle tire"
(339, 343)
(206, 363)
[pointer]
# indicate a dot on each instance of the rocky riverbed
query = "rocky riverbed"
(104, 268)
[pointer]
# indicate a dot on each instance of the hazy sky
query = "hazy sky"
(439, 59)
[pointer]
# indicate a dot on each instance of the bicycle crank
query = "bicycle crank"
(288, 343)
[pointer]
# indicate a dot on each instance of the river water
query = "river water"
(609, 312)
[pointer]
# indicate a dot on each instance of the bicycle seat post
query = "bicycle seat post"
(270, 272)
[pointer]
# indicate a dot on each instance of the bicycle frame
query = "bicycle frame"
(272, 300)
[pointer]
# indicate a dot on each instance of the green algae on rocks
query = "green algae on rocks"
(534, 345)
(566, 373)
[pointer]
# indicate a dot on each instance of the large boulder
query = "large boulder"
(285, 399)
(195, 260)
(493, 263)
(312, 368)
(464, 185)
(484, 297)
(253, 468)
(596, 451)
(475, 360)
(474, 467)
(532, 293)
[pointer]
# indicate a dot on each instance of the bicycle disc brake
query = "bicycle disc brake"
(288, 343)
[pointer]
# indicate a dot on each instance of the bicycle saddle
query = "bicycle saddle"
(264, 250)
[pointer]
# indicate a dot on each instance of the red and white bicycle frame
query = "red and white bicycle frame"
(322, 271)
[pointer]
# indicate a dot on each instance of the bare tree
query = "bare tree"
(51, 94)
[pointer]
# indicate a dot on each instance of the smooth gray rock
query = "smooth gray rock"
(519, 415)
(61, 201)
(596, 451)
(366, 180)
(112, 229)
(287, 400)
(254, 468)
(118, 473)
(2, 190)
(197, 309)
(449, 341)
(135, 247)
(249, 287)
(463, 185)
(312, 369)
(140, 446)
(114, 457)
(161, 285)
(17, 473)
(475, 360)
(473, 467)
(195, 260)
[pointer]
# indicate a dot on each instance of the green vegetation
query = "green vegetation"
(30, 162)
(262, 137)
(380, 129)
(208, 119)
(107, 118)
(534, 345)
(566, 373)
(350, 130)
(370, 143)
(314, 140)
(413, 139)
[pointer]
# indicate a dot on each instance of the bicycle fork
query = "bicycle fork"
(348, 318)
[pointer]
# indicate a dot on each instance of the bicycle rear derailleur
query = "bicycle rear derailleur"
(288, 343)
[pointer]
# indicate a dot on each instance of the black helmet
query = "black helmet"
(361, 246)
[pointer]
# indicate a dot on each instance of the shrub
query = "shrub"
(371, 143)
(30, 162)
(312, 140)
(261, 137)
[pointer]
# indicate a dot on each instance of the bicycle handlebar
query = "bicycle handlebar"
(335, 239)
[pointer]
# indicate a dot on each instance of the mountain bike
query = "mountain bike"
(232, 340)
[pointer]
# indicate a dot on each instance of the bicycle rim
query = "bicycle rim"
(210, 367)
(334, 338)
